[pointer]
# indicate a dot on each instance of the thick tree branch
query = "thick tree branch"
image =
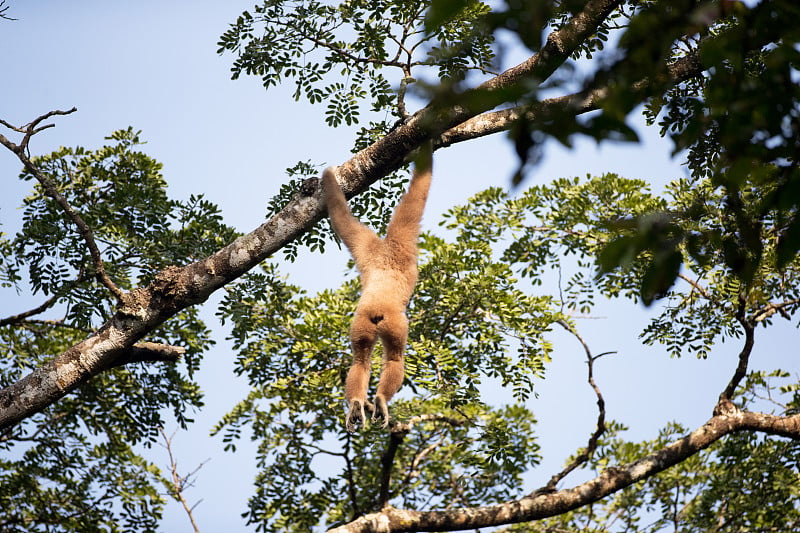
(151, 352)
(50, 189)
(577, 103)
(538, 506)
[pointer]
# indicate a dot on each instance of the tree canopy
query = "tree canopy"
(89, 376)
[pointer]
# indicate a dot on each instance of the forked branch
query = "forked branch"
(600, 428)
(179, 483)
(50, 189)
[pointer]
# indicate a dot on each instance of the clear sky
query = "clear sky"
(153, 65)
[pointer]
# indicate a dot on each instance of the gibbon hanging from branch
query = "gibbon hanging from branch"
(388, 270)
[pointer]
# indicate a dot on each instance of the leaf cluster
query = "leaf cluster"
(338, 54)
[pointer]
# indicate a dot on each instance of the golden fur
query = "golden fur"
(388, 270)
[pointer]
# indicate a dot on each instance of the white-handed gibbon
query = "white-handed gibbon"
(388, 271)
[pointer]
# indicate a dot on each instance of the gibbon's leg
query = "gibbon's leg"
(363, 334)
(393, 331)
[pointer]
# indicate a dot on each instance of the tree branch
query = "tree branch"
(3, 9)
(50, 189)
(538, 506)
(581, 102)
(180, 483)
(591, 446)
(744, 355)
(396, 437)
(151, 352)
(15, 319)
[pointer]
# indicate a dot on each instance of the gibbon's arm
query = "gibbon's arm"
(352, 232)
(404, 225)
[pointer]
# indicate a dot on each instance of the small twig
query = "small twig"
(180, 483)
(21, 151)
(696, 286)
(14, 319)
(591, 446)
(3, 9)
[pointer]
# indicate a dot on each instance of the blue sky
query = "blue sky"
(153, 66)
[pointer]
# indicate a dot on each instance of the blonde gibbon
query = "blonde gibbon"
(388, 271)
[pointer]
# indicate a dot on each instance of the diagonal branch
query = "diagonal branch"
(744, 354)
(14, 319)
(578, 103)
(21, 151)
(538, 506)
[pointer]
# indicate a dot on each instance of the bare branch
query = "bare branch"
(396, 437)
(3, 9)
(15, 319)
(179, 482)
(50, 189)
(591, 446)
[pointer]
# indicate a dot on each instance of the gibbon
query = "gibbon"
(388, 271)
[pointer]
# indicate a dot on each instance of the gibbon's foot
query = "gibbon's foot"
(355, 414)
(381, 411)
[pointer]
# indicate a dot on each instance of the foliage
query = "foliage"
(73, 467)
(738, 126)
(351, 56)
